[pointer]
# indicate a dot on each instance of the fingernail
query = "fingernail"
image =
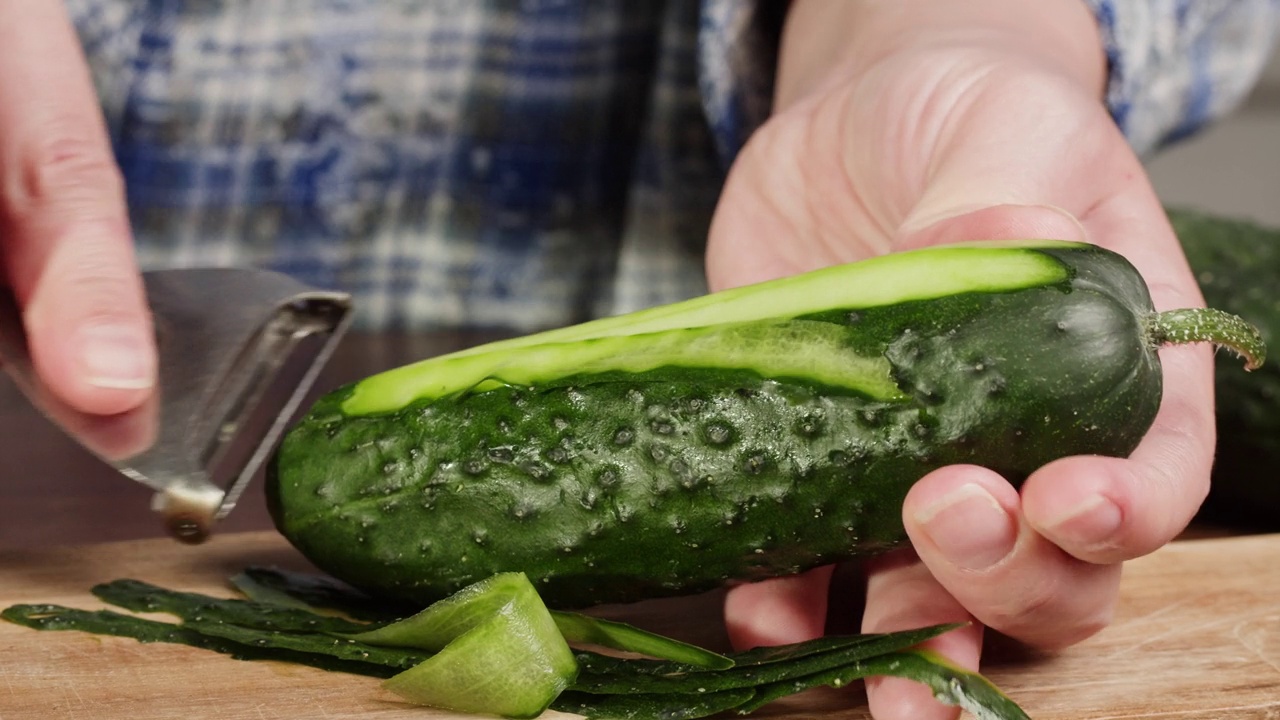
(1091, 523)
(1029, 215)
(1080, 234)
(116, 357)
(923, 218)
(969, 527)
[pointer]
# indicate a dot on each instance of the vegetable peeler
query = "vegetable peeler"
(239, 349)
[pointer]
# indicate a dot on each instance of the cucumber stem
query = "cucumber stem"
(1192, 325)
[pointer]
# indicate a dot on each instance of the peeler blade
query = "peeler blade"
(239, 349)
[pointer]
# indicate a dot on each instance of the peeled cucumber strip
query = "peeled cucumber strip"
(500, 652)
(497, 651)
(579, 628)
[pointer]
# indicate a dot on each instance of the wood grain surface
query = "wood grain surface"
(1197, 635)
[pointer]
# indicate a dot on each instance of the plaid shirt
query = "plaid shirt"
(509, 163)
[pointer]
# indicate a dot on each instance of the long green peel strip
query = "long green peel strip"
(584, 629)
(951, 685)
(314, 593)
(495, 649)
(747, 673)
(321, 653)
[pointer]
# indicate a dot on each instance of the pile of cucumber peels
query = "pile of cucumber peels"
(494, 648)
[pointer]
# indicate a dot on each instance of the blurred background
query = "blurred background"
(1233, 167)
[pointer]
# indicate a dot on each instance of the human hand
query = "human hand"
(65, 243)
(918, 122)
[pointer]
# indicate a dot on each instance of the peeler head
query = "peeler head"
(239, 349)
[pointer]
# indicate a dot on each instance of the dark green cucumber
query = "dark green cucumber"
(1237, 264)
(747, 434)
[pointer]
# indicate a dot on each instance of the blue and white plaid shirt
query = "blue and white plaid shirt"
(510, 163)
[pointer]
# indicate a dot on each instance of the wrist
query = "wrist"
(825, 41)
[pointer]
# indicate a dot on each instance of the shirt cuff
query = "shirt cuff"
(1176, 65)
(737, 63)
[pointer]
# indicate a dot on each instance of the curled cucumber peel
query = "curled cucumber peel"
(496, 650)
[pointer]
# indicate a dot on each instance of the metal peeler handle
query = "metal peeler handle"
(238, 351)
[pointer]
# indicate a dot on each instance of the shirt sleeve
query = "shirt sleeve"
(737, 61)
(1176, 65)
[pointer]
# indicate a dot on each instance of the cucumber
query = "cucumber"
(746, 434)
(1237, 264)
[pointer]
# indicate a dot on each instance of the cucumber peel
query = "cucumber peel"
(580, 628)
(951, 684)
(144, 597)
(764, 670)
(318, 593)
(495, 649)
(109, 622)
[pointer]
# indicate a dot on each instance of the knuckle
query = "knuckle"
(100, 276)
(1177, 473)
(1022, 613)
(1088, 625)
(1071, 630)
(64, 170)
(1050, 616)
(103, 292)
(104, 300)
(96, 271)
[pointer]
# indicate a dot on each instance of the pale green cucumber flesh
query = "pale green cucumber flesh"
(814, 351)
(892, 279)
(496, 648)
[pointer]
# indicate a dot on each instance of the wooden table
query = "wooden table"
(1197, 634)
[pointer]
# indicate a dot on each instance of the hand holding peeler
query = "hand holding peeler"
(239, 349)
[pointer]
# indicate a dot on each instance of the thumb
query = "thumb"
(87, 323)
(64, 229)
(927, 225)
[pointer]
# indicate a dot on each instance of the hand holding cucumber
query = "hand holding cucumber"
(983, 121)
(940, 122)
(64, 233)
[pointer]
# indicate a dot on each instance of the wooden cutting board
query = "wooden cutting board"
(1197, 635)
